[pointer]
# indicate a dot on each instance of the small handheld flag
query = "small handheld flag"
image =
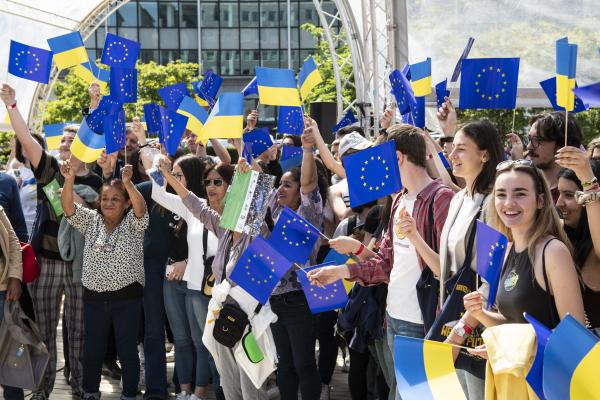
(123, 85)
(152, 117)
(90, 72)
(294, 237)
(489, 83)
(114, 132)
(107, 106)
(549, 86)
(87, 145)
(420, 77)
(251, 88)
(68, 50)
(29, 62)
(347, 119)
(197, 115)
(277, 87)
(330, 297)
(119, 52)
(290, 120)
(535, 375)
(491, 247)
(416, 116)
(566, 66)
(464, 55)
(247, 152)
(208, 87)
(53, 134)
(259, 269)
(308, 77)
(172, 128)
(402, 91)
(441, 92)
(291, 156)
(172, 95)
(226, 119)
(589, 94)
(372, 173)
(260, 139)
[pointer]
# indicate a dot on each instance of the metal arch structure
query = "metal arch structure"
(376, 34)
(87, 27)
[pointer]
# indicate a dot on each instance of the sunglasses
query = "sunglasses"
(216, 182)
(509, 163)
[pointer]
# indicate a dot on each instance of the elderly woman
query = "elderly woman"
(112, 275)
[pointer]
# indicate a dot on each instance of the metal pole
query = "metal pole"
(199, 16)
(289, 34)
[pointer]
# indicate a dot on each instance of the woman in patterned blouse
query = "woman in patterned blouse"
(112, 275)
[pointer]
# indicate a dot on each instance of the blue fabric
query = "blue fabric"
(197, 307)
(11, 202)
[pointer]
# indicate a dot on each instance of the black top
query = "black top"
(156, 238)
(520, 292)
(591, 303)
(178, 245)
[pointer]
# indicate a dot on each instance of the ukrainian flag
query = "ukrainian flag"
(87, 145)
(571, 363)
(566, 65)
(277, 87)
(53, 134)
(90, 72)
(425, 370)
(68, 49)
(201, 101)
(420, 78)
(308, 77)
(196, 115)
(226, 119)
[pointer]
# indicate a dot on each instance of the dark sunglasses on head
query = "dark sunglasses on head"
(216, 182)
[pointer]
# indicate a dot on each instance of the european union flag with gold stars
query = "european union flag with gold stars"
(290, 120)
(114, 132)
(123, 85)
(173, 95)
(491, 247)
(489, 83)
(152, 117)
(260, 139)
(416, 116)
(402, 91)
(29, 62)
(259, 269)
(172, 127)
(372, 173)
(294, 237)
(119, 52)
(330, 297)
(107, 106)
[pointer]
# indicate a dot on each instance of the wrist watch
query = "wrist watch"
(461, 329)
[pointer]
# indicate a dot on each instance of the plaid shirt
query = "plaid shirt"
(377, 270)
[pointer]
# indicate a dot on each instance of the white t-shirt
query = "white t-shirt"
(458, 230)
(402, 302)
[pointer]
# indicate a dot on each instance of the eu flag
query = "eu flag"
(402, 91)
(372, 173)
(535, 375)
(123, 85)
(294, 236)
(291, 156)
(208, 87)
(330, 297)
(114, 132)
(290, 120)
(247, 152)
(251, 88)
(549, 86)
(491, 247)
(172, 95)
(590, 94)
(152, 117)
(29, 62)
(172, 128)
(107, 106)
(119, 52)
(260, 139)
(347, 119)
(259, 269)
(489, 83)
(441, 91)
(416, 116)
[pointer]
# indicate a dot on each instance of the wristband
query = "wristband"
(585, 185)
(12, 106)
(360, 250)
(468, 328)
(430, 156)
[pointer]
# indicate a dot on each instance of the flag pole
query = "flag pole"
(566, 124)
(513, 121)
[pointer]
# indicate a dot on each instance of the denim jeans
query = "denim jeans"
(154, 330)
(295, 336)
(124, 316)
(10, 393)
(404, 328)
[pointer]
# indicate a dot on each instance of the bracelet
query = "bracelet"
(360, 250)
(468, 328)
(12, 106)
(587, 185)
(584, 198)
(143, 145)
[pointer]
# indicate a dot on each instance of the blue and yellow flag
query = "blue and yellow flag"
(308, 77)
(123, 85)
(114, 132)
(489, 83)
(420, 78)
(90, 72)
(347, 119)
(29, 62)
(549, 87)
(259, 269)
(87, 145)
(425, 370)
(119, 52)
(290, 120)
(172, 95)
(571, 363)
(53, 134)
(251, 88)
(172, 127)
(277, 87)
(294, 237)
(260, 139)
(152, 117)
(566, 66)
(535, 375)
(372, 173)
(328, 298)
(491, 247)
(226, 119)
(197, 115)
(68, 49)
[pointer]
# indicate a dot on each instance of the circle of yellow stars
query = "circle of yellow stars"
(493, 248)
(125, 51)
(169, 122)
(291, 242)
(36, 59)
(271, 265)
(315, 293)
(292, 117)
(127, 77)
(374, 160)
(176, 94)
(489, 96)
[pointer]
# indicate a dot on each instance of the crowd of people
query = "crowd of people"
(133, 259)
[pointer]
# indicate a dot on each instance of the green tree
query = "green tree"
(5, 147)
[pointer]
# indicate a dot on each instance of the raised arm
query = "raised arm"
(30, 145)
(328, 159)
(138, 130)
(66, 195)
(220, 151)
(435, 165)
(447, 118)
(308, 170)
(165, 166)
(137, 200)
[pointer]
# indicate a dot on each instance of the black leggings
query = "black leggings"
(328, 345)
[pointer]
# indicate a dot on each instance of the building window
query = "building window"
(168, 14)
(148, 14)
(188, 15)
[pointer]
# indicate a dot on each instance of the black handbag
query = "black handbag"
(208, 280)
(230, 325)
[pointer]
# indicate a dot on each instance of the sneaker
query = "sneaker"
(325, 392)
(111, 370)
(39, 396)
(183, 395)
(194, 397)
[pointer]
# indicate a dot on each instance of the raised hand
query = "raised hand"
(164, 164)
(243, 166)
(8, 94)
(577, 160)
(252, 119)
(127, 173)
(94, 92)
(308, 139)
(447, 117)
(67, 170)
(345, 244)
(386, 118)
(516, 146)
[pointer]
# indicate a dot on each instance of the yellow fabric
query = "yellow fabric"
(511, 349)
(584, 383)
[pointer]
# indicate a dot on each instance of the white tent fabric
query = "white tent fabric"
(31, 22)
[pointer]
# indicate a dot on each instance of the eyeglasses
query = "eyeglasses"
(509, 163)
(536, 141)
(216, 182)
